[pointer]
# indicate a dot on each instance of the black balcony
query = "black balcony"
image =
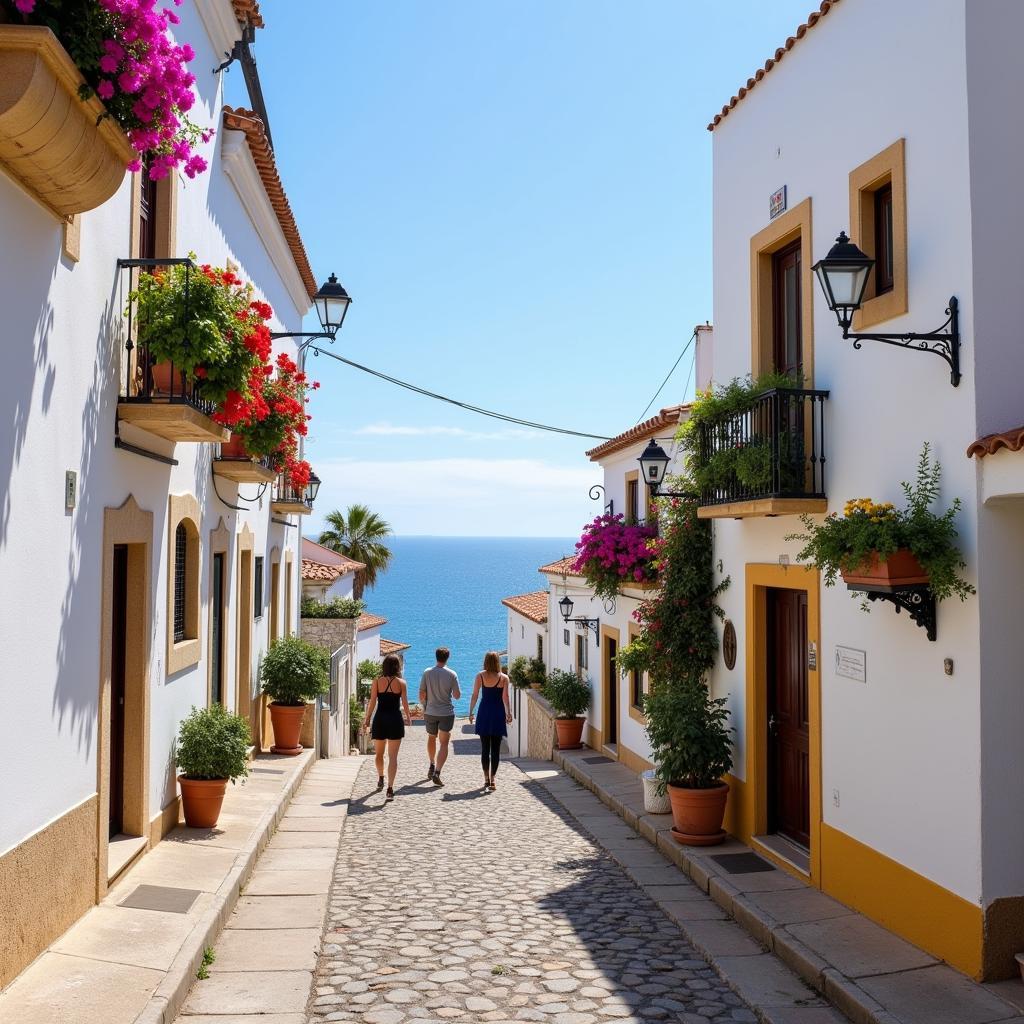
(765, 460)
(159, 397)
(290, 500)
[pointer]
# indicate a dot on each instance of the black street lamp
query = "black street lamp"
(653, 464)
(332, 302)
(312, 489)
(566, 606)
(843, 275)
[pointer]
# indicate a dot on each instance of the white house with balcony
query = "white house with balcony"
(158, 572)
(879, 756)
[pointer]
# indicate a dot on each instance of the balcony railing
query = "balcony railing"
(774, 450)
(289, 499)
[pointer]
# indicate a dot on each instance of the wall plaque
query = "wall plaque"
(852, 664)
(729, 645)
(777, 203)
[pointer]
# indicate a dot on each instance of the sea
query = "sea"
(447, 591)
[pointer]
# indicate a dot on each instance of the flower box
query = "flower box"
(235, 463)
(65, 151)
(900, 569)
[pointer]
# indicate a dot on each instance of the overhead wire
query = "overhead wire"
(670, 372)
(454, 401)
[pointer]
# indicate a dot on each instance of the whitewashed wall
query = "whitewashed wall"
(58, 394)
(522, 636)
(903, 748)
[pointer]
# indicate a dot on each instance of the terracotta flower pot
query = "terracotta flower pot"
(287, 723)
(900, 569)
(235, 449)
(166, 379)
(570, 733)
(201, 800)
(536, 686)
(697, 814)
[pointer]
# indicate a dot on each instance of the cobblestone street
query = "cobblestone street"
(456, 904)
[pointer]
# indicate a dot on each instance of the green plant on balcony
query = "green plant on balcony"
(336, 608)
(524, 672)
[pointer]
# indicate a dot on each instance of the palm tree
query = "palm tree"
(358, 534)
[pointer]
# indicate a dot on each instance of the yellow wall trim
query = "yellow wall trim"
(164, 822)
(632, 760)
(51, 879)
(609, 633)
(923, 912)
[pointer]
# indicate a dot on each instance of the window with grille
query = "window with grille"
(180, 580)
(257, 588)
(636, 689)
(540, 647)
(565, 637)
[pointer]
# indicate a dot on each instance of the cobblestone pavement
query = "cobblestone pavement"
(452, 904)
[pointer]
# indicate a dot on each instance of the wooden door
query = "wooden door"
(789, 778)
(118, 641)
(217, 631)
(787, 333)
(611, 685)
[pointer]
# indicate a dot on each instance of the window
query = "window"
(787, 334)
(257, 588)
(565, 637)
(148, 199)
(883, 240)
(540, 647)
(180, 580)
(878, 224)
(581, 654)
(522, 632)
(636, 689)
(632, 500)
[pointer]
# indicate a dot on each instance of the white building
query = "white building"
(527, 625)
(876, 765)
(154, 579)
(326, 574)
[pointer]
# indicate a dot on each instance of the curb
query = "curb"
(165, 1003)
(842, 993)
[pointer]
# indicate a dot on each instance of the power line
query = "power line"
(453, 401)
(670, 372)
(689, 376)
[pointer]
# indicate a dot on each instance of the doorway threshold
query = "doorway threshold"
(610, 750)
(121, 851)
(793, 854)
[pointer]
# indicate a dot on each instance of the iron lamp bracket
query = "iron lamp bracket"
(918, 602)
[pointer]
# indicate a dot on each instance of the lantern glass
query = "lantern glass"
(566, 604)
(332, 302)
(312, 489)
(654, 462)
(843, 276)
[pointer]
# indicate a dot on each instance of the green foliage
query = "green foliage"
(844, 543)
(294, 671)
(524, 672)
(213, 744)
(676, 646)
(366, 671)
(209, 956)
(359, 534)
(567, 693)
(748, 461)
(356, 716)
(689, 733)
(336, 608)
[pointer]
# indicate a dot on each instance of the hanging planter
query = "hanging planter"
(65, 151)
(900, 569)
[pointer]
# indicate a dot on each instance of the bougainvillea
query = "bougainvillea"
(611, 553)
(127, 57)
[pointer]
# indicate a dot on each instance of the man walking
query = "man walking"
(439, 689)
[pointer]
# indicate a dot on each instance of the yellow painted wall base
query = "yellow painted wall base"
(164, 822)
(937, 920)
(632, 760)
(50, 880)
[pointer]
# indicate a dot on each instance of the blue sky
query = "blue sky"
(517, 196)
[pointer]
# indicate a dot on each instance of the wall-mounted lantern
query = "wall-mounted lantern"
(566, 607)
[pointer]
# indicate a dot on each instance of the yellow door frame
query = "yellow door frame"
(753, 819)
(610, 633)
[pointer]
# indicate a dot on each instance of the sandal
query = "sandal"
(493, 786)
(380, 783)
(390, 795)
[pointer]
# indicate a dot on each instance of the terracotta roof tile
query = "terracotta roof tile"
(812, 19)
(247, 121)
(248, 11)
(669, 417)
(392, 646)
(1011, 440)
(368, 621)
(563, 567)
(531, 606)
(325, 556)
(320, 573)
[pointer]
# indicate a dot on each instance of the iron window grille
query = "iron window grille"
(180, 581)
(257, 588)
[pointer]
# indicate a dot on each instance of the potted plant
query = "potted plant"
(570, 697)
(293, 671)
(212, 749)
(527, 673)
(335, 608)
(692, 749)
(611, 554)
(876, 545)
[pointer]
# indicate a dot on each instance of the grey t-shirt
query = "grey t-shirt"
(437, 687)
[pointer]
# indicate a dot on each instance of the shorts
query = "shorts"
(444, 723)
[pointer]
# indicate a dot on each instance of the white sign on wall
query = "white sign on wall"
(777, 203)
(852, 664)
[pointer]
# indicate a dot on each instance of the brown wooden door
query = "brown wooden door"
(789, 785)
(118, 638)
(787, 333)
(611, 682)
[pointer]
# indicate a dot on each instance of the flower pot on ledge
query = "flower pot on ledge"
(570, 733)
(201, 800)
(236, 463)
(63, 150)
(900, 569)
(287, 722)
(697, 814)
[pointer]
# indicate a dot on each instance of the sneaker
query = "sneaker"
(380, 783)
(437, 779)
(390, 795)
(430, 772)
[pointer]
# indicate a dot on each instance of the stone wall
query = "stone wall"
(332, 634)
(540, 727)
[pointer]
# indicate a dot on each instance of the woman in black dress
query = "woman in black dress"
(389, 697)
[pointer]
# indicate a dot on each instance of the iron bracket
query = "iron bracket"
(918, 602)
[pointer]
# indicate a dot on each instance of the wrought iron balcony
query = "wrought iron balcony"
(157, 396)
(234, 463)
(766, 460)
(289, 500)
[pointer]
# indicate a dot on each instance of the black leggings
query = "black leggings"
(490, 753)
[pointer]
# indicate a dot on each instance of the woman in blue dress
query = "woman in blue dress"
(491, 686)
